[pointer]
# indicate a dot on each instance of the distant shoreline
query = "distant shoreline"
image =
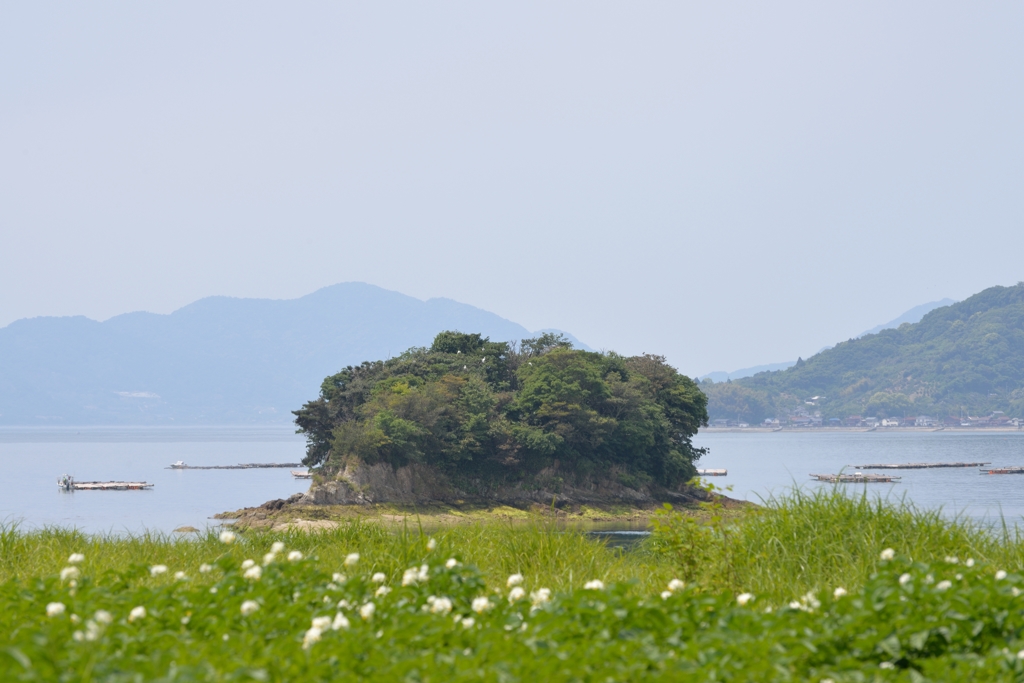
(879, 430)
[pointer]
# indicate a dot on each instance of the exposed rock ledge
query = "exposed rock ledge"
(418, 485)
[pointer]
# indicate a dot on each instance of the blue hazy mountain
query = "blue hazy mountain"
(912, 316)
(219, 360)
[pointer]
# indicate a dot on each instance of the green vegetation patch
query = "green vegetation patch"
(969, 356)
(818, 588)
(538, 415)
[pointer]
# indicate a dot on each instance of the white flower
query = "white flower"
(441, 606)
(481, 605)
(344, 604)
(213, 589)
(253, 573)
(888, 554)
(158, 569)
(340, 622)
(249, 606)
(69, 573)
(887, 665)
(1000, 575)
(952, 560)
(795, 604)
(468, 622)
(351, 559)
(102, 616)
(839, 592)
(452, 563)
(180, 576)
(676, 585)
(424, 573)
(276, 547)
(205, 568)
(516, 593)
(665, 595)
(269, 558)
(379, 577)
(382, 591)
(595, 585)
(1020, 655)
(294, 556)
(514, 580)
(321, 623)
(54, 609)
(969, 562)
(432, 544)
(905, 579)
(248, 563)
(410, 576)
(743, 598)
(367, 610)
(92, 630)
(943, 585)
(227, 537)
(76, 558)
(339, 578)
(311, 636)
(137, 613)
(959, 576)
(540, 596)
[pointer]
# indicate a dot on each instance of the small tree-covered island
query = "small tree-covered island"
(470, 418)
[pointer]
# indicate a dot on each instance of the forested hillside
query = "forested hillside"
(969, 356)
(496, 412)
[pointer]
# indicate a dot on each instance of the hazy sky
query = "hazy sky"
(725, 183)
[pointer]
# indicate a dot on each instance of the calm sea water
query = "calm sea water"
(759, 465)
(763, 464)
(32, 459)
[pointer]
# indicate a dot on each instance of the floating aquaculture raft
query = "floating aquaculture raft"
(920, 465)
(856, 478)
(241, 466)
(67, 483)
(1004, 470)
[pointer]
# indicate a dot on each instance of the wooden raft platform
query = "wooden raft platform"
(241, 466)
(69, 484)
(856, 478)
(1004, 470)
(712, 473)
(920, 465)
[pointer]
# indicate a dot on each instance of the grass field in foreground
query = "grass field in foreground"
(820, 587)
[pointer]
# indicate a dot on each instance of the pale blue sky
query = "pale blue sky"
(726, 183)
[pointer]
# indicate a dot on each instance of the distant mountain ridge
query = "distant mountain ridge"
(965, 356)
(912, 316)
(219, 360)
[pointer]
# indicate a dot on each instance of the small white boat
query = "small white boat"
(178, 465)
(299, 474)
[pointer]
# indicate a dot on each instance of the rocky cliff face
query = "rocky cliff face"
(417, 484)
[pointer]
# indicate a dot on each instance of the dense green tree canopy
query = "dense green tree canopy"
(968, 355)
(495, 410)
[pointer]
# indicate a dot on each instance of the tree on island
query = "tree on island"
(501, 412)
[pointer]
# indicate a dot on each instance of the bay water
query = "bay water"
(763, 464)
(760, 465)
